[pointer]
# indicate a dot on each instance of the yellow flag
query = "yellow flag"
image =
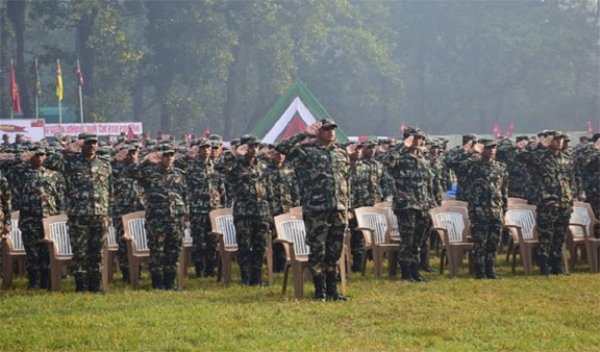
(59, 82)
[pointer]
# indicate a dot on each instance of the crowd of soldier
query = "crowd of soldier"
(179, 186)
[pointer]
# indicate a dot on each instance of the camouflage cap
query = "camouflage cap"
(522, 138)
(487, 143)
(328, 123)
(88, 137)
(369, 144)
(414, 131)
(235, 142)
(215, 140)
(202, 142)
(38, 150)
(165, 149)
(249, 139)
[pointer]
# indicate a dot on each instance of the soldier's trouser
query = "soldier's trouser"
(122, 251)
(485, 234)
(251, 235)
(553, 224)
(325, 237)
(357, 246)
(413, 226)
(32, 232)
(593, 199)
(86, 233)
(165, 236)
(204, 246)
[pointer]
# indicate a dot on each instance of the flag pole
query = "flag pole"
(37, 97)
(59, 103)
(79, 81)
(12, 115)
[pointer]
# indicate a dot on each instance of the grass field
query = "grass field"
(517, 313)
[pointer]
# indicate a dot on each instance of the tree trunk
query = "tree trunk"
(138, 102)
(86, 55)
(16, 13)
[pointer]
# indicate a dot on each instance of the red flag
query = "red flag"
(79, 75)
(206, 132)
(130, 134)
(590, 128)
(402, 127)
(496, 130)
(15, 98)
(509, 130)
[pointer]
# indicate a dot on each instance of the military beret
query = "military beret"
(328, 123)
(249, 140)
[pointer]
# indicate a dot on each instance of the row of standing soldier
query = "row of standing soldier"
(330, 181)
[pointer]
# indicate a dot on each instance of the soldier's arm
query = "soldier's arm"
(56, 161)
(60, 186)
(5, 200)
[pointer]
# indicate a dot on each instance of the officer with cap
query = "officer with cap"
(252, 186)
(88, 189)
(165, 191)
(412, 176)
(322, 170)
(42, 195)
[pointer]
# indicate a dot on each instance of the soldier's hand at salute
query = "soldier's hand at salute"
(193, 153)
(241, 150)
(352, 149)
(7, 156)
(153, 158)
(307, 140)
(478, 147)
(26, 156)
(121, 155)
(522, 144)
(74, 147)
(313, 129)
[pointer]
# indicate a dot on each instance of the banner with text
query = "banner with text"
(33, 130)
(101, 129)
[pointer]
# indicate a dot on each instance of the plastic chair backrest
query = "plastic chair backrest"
(579, 216)
(453, 223)
(187, 237)
(15, 236)
(295, 232)
(378, 223)
(112, 238)
(137, 231)
(226, 226)
(524, 218)
(59, 234)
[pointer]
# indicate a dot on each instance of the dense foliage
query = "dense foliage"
(179, 66)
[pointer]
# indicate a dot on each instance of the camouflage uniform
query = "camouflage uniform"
(5, 203)
(453, 162)
(251, 210)
(412, 177)
(366, 176)
(487, 205)
(127, 198)
(554, 200)
(206, 192)
(519, 180)
(588, 161)
(323, 174)
(88, 191)
(42, 195)
(166, 210)
(285, 196)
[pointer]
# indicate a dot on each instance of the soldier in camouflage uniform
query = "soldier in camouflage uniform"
(322, 170)
(88, 193)
(127, 198)
(206, 192)
(6, 206)
(366, 177)
(589, 162)
(216, 155)
(42, 195)
(412, 176)
(554, 199)
(452, 161)
(249, 178)
(285, 196)
(487, 205)
(165, 194)
(519, 180)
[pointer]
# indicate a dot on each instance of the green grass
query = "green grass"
(517, 313)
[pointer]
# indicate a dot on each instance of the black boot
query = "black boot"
(44, 279)
(94, 284)
(479, 270)
(543, 262)
(245, 274)
(157, 281)
(169, 282)
(414, 270)
(256, 277)
(406, 272)
(211, 264)
(80, 284)
(319, 282)
(424, 265)
(490, 270)
(199, 269)
(125, 272)
(556, 265)
(33, 277)
(331, 287)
